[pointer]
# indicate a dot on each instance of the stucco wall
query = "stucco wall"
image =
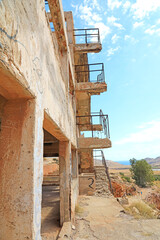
(27, 50)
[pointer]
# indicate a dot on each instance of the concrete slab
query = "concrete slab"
(104, 219)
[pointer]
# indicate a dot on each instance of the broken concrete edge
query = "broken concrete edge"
(65, 231)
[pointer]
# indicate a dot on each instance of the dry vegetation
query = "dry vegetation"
(141, 210)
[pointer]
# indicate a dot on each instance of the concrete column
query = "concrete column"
(64, 172)
(74, 184)
(21, 141)
(74, 163)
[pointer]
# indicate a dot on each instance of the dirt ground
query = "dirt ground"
(50, 225)
(104, 219)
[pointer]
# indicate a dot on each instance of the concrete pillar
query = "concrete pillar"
(74, 163)
(74, 184)
(21, 141)
(64, 172)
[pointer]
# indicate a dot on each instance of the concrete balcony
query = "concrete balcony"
(93, 143)
(94, 130)
(90, 78)
(87, 40)
(91, 88)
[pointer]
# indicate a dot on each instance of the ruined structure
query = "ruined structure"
(45, 95)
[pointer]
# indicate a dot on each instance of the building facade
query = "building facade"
(45, 95)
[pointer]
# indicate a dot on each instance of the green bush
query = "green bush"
(156, 177)
(125, 178)
(121, 173)
(141, 172)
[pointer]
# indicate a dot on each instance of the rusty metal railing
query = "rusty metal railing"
(90, 72)
(89, 122)
(99, 160)
(86, 36)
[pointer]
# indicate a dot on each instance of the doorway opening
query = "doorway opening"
(50, 219)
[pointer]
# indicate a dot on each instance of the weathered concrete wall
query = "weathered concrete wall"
(20, 176)
(30, 67)
(86, 160)
(27, 50)
(74, 197)
(87, 184)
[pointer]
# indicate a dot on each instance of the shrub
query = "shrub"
(141, 172)
(156, 177)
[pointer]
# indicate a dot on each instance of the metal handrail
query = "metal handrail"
(89, 120)
(85, 33)
(102, 158)
(83, 69)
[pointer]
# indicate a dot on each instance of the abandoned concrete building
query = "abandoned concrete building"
(46, 84)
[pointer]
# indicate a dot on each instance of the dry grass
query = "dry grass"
(157, 183)
(144, 211)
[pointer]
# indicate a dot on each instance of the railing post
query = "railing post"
(92, 126)
(98, 36)
(86, 35)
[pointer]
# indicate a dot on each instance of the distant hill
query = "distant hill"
(154, 162)
(112, 164)
(116, 165)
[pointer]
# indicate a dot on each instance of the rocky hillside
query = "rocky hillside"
(116, 165)
(154, 162)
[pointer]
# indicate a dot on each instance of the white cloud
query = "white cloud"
(126, 37)
(148, 132)
(104, 30)
(112, 51)
(114, 38)
(130, 38)
(118, 25)
(137, 24)
(96, 5)
(142, 8)
(112, 21)
(114, 4)
(150, 31)
(126, 6)
(89, 12)
(153, 30)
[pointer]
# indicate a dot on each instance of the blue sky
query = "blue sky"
(130, 36)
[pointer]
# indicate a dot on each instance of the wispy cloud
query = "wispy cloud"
(148, 132)
(138, 24)
(111, 51)
(153, 30)
(90, 12)
(126, 6)
(142, 8)
(114, 38)
(114, 4)
(130, 38)
(113, 22)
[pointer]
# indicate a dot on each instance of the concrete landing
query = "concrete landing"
(50, 226)
(104, 219)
